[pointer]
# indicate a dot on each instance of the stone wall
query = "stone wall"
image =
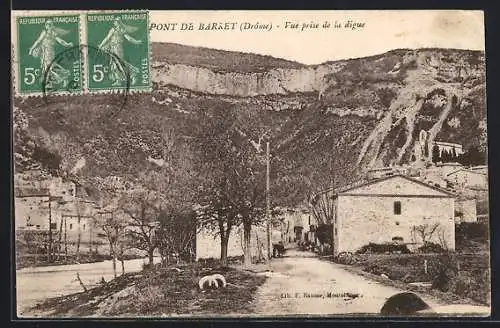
(208, 243)
(365, 219)
(468, 210)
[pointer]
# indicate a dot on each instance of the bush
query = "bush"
(443, 270)
(429, 247)
(478, 231)
(383, 248)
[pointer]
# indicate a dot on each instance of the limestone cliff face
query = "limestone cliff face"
(243, 84)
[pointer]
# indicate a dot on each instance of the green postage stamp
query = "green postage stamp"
(49, 57)
(118, 51)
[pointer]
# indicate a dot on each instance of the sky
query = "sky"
(382, 31)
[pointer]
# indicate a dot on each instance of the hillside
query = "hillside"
(341, 116)
(217, 60)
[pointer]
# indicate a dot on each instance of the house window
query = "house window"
(84, 227)
(70, 226)
(397, 208)
(53, 226)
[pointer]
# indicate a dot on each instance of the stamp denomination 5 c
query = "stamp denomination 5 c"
(125, 36)
(40, 41)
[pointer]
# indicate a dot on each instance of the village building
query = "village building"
(297, 225)
(380, 210)
(43, 201)
(291, 225)
(381, 172)
(447, 168)
(449, 147)
(464, 178)
(480, 168)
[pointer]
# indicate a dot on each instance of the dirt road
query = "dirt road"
(302, 284)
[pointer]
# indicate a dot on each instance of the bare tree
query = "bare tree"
(143, 213)
(425, 232)
(114, 227)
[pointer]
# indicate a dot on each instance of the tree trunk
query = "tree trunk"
(247, 229)
(223, 250)
(50, 232)
(114, 266)
(151, 257)
(65, 238)
(78, 240)
(121, 259)
(59, 246)
(113, 255)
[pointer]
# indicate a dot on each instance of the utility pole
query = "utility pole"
(268, 202)
(50, 229)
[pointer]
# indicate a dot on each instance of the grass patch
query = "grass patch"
(161, 291)
(465, 276)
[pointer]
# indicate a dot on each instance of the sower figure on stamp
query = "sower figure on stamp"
(45, 48)
(113, 43)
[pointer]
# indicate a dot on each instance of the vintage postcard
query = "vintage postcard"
(250, 164)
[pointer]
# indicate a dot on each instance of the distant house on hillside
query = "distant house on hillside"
(480, 168)
(447, 168)
(465, 178)
(381, 172)
(449, 147)
(380, 210)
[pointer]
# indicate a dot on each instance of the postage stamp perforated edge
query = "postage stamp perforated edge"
(114, 90)
(15, 55)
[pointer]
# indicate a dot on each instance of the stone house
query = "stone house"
(447, 168)
(464, 178)
(381, 172)
(395, 206)
(449, 146)
(296, 224)
(480, 168)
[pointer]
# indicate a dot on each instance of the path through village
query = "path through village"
(302, 284)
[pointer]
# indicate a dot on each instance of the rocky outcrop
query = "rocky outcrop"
(274, 81)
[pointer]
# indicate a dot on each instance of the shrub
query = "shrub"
(429, 247)
(443, 270)
(383, 248)
(478, 231)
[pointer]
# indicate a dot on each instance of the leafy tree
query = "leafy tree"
(177, 236)
(233, 183)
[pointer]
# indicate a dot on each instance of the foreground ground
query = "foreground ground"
(302, 284)
(298, 284)
(162, 291)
